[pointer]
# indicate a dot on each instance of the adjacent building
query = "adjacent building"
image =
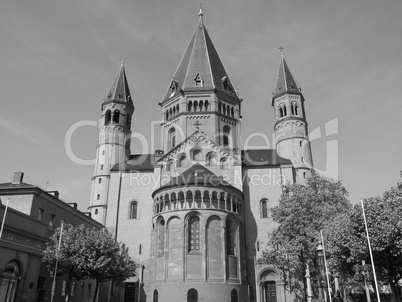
(31, 218)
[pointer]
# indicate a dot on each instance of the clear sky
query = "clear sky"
(58, 59)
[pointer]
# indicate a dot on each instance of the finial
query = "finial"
(200, 14)
(122, 61)
(281, 48)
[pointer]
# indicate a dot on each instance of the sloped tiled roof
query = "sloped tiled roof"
(263, 157)
(119, 91)
(200, 58)
(285, 83)
(136, 162)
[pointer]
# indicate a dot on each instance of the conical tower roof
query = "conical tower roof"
(119, 91)
(285, 83)
(201, 63)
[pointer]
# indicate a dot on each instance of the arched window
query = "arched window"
(226, 136)
(177, 108)
(234, 296)
(169, 165)
(280, 112)
(224, 163)
(108, 117)
(98, 197)
(211, 159)
(195, 105)
(172, 138)
(99, 180)
(230, 238)
(156, 296)
(182, 160)
(116, 116)
(284, 111)
(220, 108)
(196, 154)
(193, 234)
(232, 112)
(206, 105)
(133, 210)
(160, 238)
(189, 106)
(96, 211)
(192, 295)
(294, 108)
(224, 109)
(264, 208)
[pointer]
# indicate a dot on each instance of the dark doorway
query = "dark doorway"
(129, 292)
(270, 291)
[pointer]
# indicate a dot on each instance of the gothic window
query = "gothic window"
(193, 234)
(211, 159)
(225, 83)
(133, 210)
(167, 115)
(156, 296)
(192, 295)
(206, 105)
(232, 112)
(177, 108)
(170, 112)
(195, 105)
(174, 110)
(116, 116)
(280, 112)
(264, 208)
(234, 296)
(226, 135)
(189, 106)
(284, 111)
(201, 104)
(108, 117)
(172, 138)
(220, 108)
(224, 109)
(196, 154)
(230, 242)
(173, 86)
(160, 238)
(198, 81)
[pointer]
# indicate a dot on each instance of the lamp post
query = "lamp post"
(321, 276)
(363, 274)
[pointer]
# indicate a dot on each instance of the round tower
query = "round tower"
(114, 141)
(291, 132)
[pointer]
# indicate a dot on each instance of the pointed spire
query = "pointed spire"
(200, 61)
(119, 91)
(285, 83)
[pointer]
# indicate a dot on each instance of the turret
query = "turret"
(114, 141)
(291, 131)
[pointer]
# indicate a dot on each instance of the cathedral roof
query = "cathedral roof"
(136, 162)
(197, 175)
(200, 62)
(119, 90)
(263, 157)
(285, 83)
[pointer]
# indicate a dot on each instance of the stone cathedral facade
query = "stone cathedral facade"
(195, 214)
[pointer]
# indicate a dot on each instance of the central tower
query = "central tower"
(200, 97)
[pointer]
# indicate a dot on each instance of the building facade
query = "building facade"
(31, 218)
(195, 214)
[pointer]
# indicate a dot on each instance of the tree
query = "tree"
(347, 239)
(88, 253)
(303, 211)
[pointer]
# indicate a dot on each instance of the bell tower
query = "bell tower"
(114, 141)
(291, 131)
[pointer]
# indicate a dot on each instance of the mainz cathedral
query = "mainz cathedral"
(195, 214)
